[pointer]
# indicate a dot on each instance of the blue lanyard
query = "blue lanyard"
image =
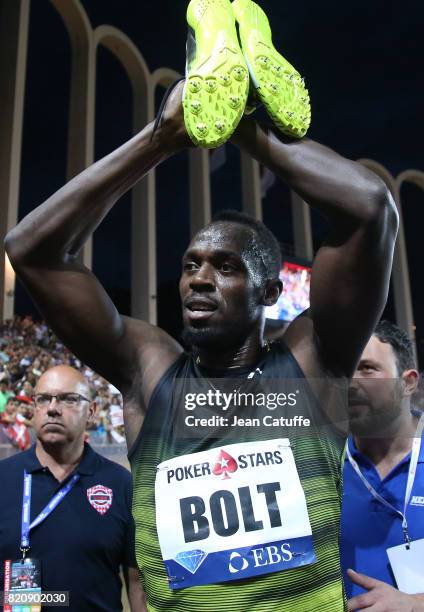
(26, 526)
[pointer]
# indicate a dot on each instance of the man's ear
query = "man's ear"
(272, 292)
(410, 381)
(93, 409)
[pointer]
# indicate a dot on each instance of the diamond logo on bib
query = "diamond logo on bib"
(191, 559)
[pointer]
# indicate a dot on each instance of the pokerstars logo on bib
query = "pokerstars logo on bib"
(232, 513)
(100, 498)
(224, 465)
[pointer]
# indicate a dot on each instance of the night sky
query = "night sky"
(363, 66)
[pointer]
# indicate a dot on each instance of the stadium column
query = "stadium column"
(401, 279)
(200, 190)
(14, 21)
(80, 152)
(301, 214)
(251, 186)
(401, 282)
(143, 215)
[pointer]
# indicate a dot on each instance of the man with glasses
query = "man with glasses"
(78, 531)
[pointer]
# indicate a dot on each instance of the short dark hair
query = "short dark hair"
(265, 245)
(389, 333)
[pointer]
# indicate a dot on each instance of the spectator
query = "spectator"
(82, 557)
(7, 419)
(24, 417)
(5, 393)
(19, 421)
(27, 390)
(9, 414)
(379, 509)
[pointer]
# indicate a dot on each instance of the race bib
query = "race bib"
(232, 513)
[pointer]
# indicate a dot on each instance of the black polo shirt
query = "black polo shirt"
(82, 543)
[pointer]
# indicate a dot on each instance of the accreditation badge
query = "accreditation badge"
(408, 566)
(230, 513)
(22, 585)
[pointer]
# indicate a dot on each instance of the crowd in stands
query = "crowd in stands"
(27, 349)
(295, 297)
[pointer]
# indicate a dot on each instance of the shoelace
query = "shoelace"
(159, 115)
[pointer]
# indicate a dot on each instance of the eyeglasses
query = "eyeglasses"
(42, 400)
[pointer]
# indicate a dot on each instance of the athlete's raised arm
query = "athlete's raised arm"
(43, 249)
(351, 270)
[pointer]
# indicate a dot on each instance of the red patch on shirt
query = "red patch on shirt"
(100, 498)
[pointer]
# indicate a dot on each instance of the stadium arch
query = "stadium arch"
(400, 273)
(143, 197)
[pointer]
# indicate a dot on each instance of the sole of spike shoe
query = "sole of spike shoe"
(217, 77)
(278, 84)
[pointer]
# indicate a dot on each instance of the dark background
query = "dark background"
(363, 66)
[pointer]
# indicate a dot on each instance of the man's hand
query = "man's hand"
(382, 597)
(171, 124)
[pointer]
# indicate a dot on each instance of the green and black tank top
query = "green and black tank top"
(314, 587)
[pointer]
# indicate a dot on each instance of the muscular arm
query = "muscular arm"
(351, 271)
(43, 249)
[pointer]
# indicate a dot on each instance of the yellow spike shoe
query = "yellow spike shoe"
(217, 78)
(278, 85)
